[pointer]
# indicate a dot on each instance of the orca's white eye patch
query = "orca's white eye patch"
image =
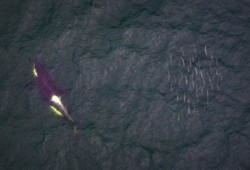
(34, 71)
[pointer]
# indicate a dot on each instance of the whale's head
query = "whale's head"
(38, 69)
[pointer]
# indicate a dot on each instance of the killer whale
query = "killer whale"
(49, 91)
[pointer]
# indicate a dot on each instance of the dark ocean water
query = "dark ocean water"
(151, 84)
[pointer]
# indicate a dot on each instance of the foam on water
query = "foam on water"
(193, 77)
